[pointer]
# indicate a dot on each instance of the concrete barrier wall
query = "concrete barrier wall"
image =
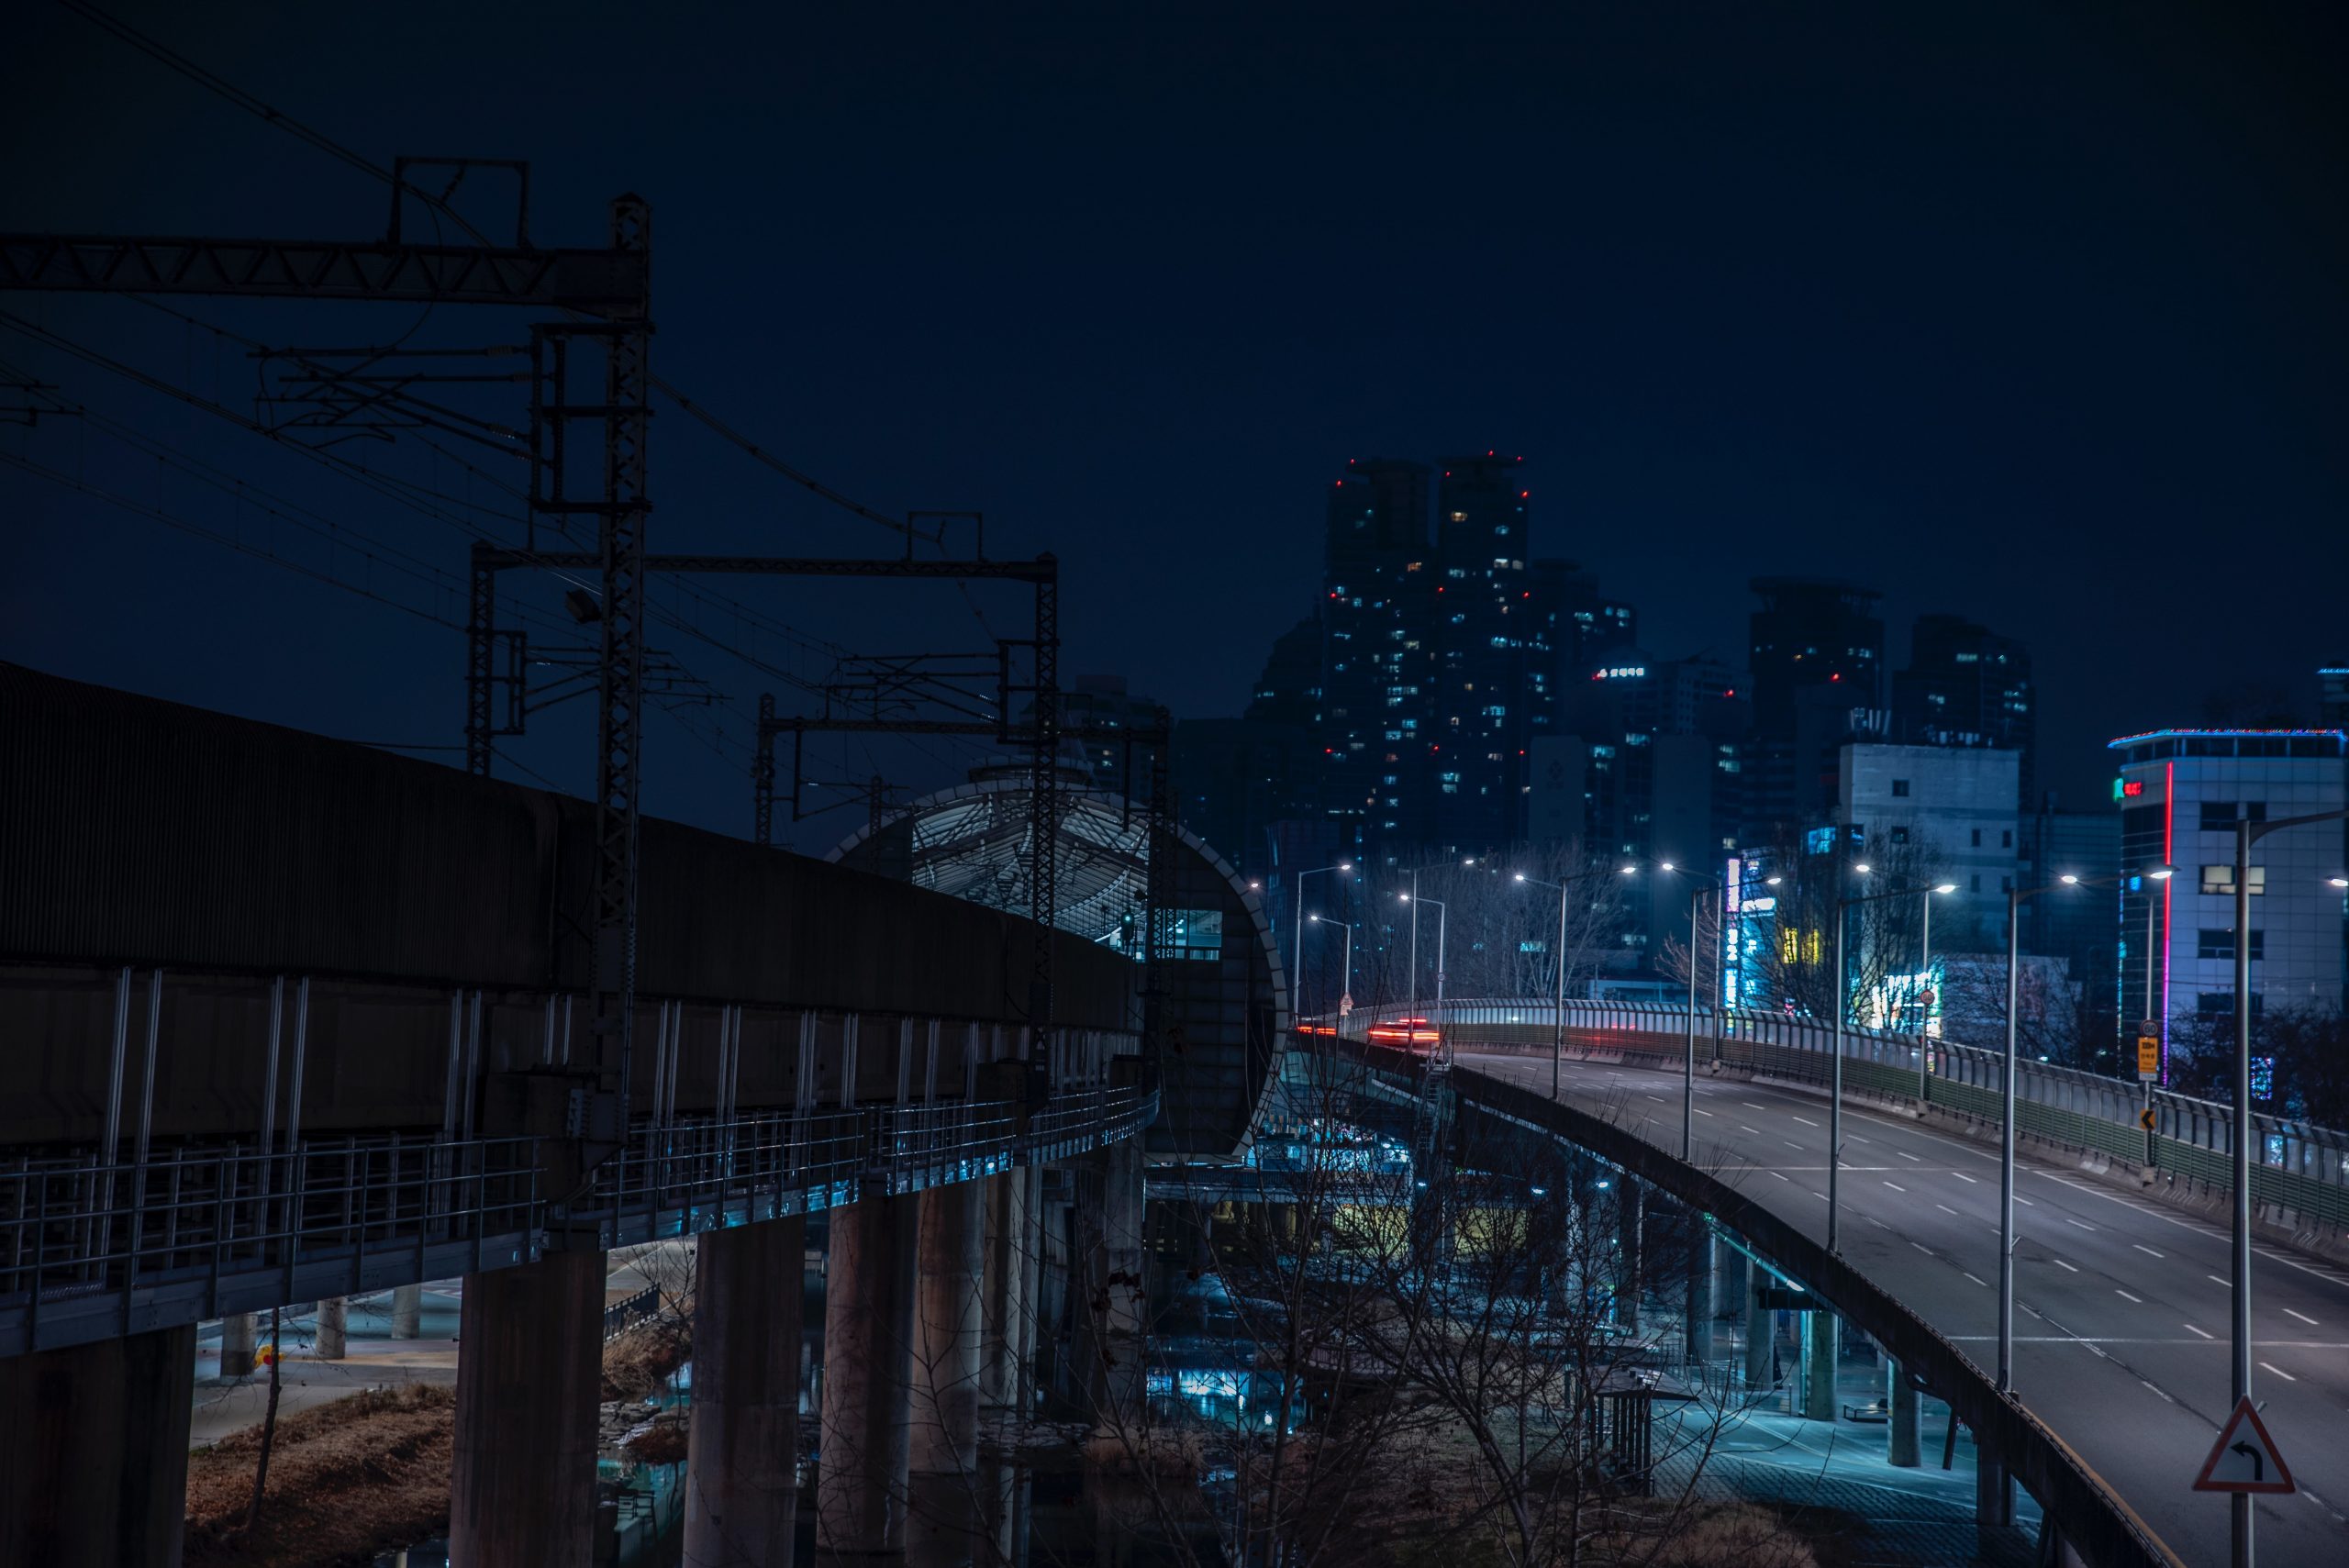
(146, 832)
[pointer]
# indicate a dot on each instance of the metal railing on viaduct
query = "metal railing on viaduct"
(282, 1017)
(2299, 1172)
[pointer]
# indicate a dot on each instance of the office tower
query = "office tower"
(1377, 660)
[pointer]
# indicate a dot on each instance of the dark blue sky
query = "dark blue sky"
(2034, 316)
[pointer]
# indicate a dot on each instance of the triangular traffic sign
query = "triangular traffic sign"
(2245, 1458)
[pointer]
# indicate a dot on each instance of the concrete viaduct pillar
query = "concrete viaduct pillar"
(1629, 1213)
(944, 1520)
(238, 1332)
(742, 1481)
(333, 1340)
(93, 1460)
(407, 1311)
(1761, 1329)
(867, 1433)
(1819, 1366)
(1008, 1288)
(1904, 1405)
(522, 1486)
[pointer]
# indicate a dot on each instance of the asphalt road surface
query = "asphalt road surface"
(2122, 1306)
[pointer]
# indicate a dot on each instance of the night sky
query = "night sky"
(2029, 313)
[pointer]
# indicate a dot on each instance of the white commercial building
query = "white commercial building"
(2181, 793)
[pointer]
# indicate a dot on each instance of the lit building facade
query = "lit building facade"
(1952, 807)
(2180, 793)
(1377, 659)
(1493, 665)
(1965, 685)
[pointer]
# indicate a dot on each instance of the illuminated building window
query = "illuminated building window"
(2219, 942)
(2219, 881)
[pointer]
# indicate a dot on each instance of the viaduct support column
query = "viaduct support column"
(1761, 1329)
(1819, 1366)
(1122, 1281)
(93, 1454)
(868, 1362)
(1904, 1405)
(407, 1311)
(236, 1337)
(333, 1340)
(1628, 1214)
(529, 1365)
(1008, 1287)
(945, 1520)
(741, 1482)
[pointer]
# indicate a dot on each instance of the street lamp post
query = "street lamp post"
(1296, 975)
(1925, 968)
(1558, 1010)
(1346, 985)
(1414, 901)
(1843, 906)
(1442, 919)
(1718, 884)
(2247, 833)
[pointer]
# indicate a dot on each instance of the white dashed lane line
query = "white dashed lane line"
(2062, 1264)
(2279, 1371)
(1978, 1280)
(1896, 1186)
(1923, 1248)
(2301, 1316)
(2205, 1333)
(1966, 1179)
(1806, 1121)
(2081, 1223)
(2126, 1297)
(2147, 1251)
(1905, 1154)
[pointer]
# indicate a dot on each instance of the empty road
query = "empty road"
(2122, 1306)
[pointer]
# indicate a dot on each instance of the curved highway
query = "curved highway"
(2122, 1306)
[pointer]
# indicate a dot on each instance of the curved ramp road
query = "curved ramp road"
(2120, 1304)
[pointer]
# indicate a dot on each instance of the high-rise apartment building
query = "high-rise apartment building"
(1378, 661)
(1964, 686)
(1494, 667)
(1817, 661)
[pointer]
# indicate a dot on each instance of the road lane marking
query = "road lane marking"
(1904, 1154)
(2148, 1251)
(2279, 1371)
(2025, 1201)
(1755, 1130)
(2126, 1297)
(1946, 1209)
(2206, 1334)
(2158, 1391)
(1923, 1248)
(2301, 1316)
(1896, 1186)
(2062, 1264)
(2216, 1280)
(1792, 1144)
(1804, 1119)
(1879, 1224)
(1977, 1280)
(1966, 1179)
(2081, 1223)
(1857, 1138)
(1704, 1113)
(1776, 1174)
(1749, 1104)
